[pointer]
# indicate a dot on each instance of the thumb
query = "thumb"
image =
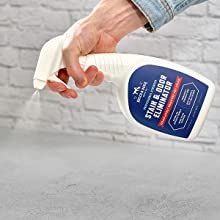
(73, 67)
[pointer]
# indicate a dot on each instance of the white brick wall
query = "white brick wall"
(192, 39)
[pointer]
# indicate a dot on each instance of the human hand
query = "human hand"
(100, 32)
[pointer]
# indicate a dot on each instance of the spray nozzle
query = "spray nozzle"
(38, 84)
(49, 63)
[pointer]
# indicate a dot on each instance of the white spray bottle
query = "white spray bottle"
(156, 95)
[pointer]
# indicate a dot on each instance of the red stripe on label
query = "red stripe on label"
(171, 101)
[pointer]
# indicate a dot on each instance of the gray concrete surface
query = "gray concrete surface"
(61, 177)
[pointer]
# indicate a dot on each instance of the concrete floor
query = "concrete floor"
(56, 177)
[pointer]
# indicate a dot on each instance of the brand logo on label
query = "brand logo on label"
(136, 90)
(139, 91)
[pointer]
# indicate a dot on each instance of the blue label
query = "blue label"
(165, 100)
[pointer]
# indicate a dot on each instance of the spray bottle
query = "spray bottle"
(154, 94)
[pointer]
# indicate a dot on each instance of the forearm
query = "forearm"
(117, 17)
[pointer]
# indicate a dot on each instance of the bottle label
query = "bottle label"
(165, 100)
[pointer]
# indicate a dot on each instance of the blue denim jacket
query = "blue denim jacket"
(159, 12)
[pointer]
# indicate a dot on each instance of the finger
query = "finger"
(69, 93)
(63, 75)
(62, 90)
(98, 79)
(56, 87)
(91, 73)
(59, 87)
(71, 59)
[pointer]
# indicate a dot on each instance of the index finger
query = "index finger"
(74, 69)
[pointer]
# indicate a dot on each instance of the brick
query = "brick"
(114, 107)
(18, 93)
(5, 13)
(96, 102)
(209, 131)
(219, 75)
(198, 10)
(21, 78)
(66, 114)
(91, 4)
(47, 95)
(3, 2)
(191, 28)
(3, 36)
(142, 32)
(145, 46)
(27, 17)
(216, 101)
(61, 5)
(100, 135)
(211, 51)
(45, 111)
(131, 139)
(211, 148)
(38, 126)
(11, 108)
(90, 121)
(75, 16)
(105, 87)
(31, 3)
(158, 141)
(186, 50)
(31, 109)
(84, 13)
(4, 76)
(208, 70)
(115, 118)
(5, 92)
(214, 114)
(73, 104)
(30, 38)
(56, 20)
(136, 131)
(6, 122)
(66, 129)
(8, 57)
(214, 8)
(29, 58)
(187, 146)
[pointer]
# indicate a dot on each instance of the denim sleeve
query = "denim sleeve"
(160, 12)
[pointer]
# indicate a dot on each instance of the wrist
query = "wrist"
(117, 17)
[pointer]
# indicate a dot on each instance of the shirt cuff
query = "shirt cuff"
(158, 12)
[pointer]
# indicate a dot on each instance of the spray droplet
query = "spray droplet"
(31, 111)
(36, 93)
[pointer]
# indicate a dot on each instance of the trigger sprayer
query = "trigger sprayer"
(154, 94)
